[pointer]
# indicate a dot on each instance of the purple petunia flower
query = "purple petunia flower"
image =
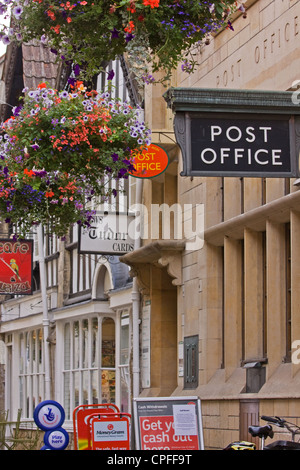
(111, 75)
(129, 37)
(76, 70)
(17, 11)
(115, 157)
(35, 146)
(115, 34)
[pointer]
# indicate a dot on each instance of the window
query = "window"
(89, 367)
(124, 361)
(31, 371)
(191, 351)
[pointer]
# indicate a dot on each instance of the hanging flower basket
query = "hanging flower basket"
(90, 32)
(59, 152)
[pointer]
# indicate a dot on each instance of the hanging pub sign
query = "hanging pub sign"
(110, 233)
(16, 258)
(243, 133)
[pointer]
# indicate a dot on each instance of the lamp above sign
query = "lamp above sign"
(236, 132)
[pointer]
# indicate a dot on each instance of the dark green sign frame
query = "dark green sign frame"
(244, 133)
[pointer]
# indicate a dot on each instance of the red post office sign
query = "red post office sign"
(110, 432)
(16, 257)
(150, 162)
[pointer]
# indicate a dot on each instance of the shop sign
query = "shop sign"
(231, 146)
(81, 416)
(110, 233)
(243, 133)
(49, 415)
(57, 439)
(173, 423)
(16, 258)
(150, 162)
(110, 432)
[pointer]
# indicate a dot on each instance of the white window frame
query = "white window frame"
(121, 370)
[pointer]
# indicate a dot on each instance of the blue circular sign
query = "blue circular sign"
(57, 439)
(49, 415)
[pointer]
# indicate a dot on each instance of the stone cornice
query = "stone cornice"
(234, 101)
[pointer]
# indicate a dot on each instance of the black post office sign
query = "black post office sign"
(236, 133)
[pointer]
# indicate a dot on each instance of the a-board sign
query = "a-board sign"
(109, 432)
(81, 427)
(168, 423)
(243, 133)
(110, 233)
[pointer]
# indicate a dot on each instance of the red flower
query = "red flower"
(130, 27)
(152, 3)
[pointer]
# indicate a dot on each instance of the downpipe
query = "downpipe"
(136, 309)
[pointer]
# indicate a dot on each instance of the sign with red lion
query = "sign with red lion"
(16, 258)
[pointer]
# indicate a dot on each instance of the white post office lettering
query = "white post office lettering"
(235, 134)
(241, 155)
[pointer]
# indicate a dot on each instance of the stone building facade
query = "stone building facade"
(223, 315)
(225, 318)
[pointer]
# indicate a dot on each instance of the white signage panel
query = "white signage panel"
(110, 233)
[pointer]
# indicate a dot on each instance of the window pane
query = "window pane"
(108, 343)
(27, 358)
(22, 353)
(67, 394)
(76, 389)
(33, 352)
(76, 345)
(85, 387)
(67, 352)
(40, 350)
(124, 359)
(85, 348)
(94, 352)
(108, 386)
(95, 386)
(125, 389)
(41, 388)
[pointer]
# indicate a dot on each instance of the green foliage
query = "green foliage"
(90, 33)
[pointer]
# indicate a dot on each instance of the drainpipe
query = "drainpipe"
(46, 321)
(136, 310)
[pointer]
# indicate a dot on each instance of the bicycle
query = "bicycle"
(263, 432)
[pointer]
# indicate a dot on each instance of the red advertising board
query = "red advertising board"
(16, 258)
(159, 434)
(81, 415)
(110, 432)
(172, 423)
